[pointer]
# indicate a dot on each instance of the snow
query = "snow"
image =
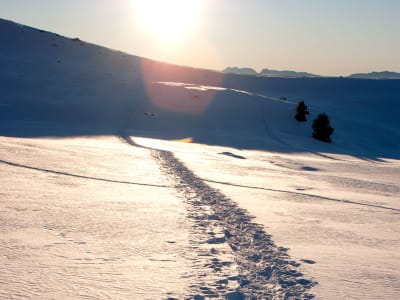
(126, 178)
(76, 222)
(333, 212)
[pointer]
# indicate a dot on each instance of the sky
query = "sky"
(325, 37)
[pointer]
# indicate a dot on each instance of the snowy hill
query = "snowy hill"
(49, 77)
(127, 178)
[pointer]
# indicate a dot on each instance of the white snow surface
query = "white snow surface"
(77, 223)
(126, 178)
(339, 215)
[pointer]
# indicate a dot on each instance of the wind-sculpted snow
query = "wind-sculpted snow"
(265, 271)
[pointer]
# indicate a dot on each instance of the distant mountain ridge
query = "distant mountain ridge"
(376, 75)
(267, 73)
(286, 73)
(241, 71)
(293, 74)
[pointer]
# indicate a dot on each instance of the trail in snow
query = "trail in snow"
(265, 270)
(228, 242)
(132, 142)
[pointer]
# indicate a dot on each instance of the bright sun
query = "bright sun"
(166, 20)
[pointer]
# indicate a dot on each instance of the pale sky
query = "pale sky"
(327, 37)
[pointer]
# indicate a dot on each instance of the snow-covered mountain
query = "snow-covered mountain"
(127, 178)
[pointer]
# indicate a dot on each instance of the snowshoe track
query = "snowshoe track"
(264, 270)
(245, 263)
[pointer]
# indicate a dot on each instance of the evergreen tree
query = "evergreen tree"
(322, 128)
(301, 112)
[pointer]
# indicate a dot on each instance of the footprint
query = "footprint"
(303, 188)
(216, 240)
(308, 261)
(311, 169)
(232, 155)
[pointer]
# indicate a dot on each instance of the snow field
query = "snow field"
(351, 249)
(76, 223)
(98, 218)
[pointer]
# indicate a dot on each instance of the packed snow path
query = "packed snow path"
(224, 232)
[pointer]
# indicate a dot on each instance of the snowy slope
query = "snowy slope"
(141, 204)
(48, 77)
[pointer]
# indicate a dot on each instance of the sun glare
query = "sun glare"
(166, 20)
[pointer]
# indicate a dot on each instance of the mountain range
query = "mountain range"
(294, 74)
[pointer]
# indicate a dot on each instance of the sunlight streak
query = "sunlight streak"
(185, 140)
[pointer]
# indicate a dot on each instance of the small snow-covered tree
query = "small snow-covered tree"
(301, 112)
(322, 128)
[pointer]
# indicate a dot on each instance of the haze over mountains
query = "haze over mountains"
(294, 74)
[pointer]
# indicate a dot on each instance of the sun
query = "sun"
(166, 20)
